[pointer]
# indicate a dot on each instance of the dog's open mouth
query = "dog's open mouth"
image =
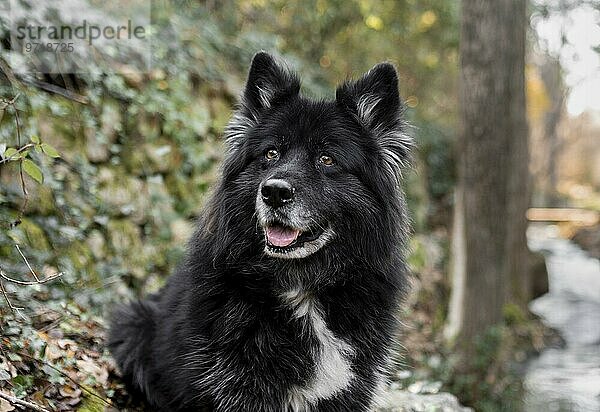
(282, 238)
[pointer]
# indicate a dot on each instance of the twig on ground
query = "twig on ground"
(20, 402)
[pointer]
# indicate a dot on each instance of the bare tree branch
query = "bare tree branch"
(20, 402)
(4, 276)
(27, 263)
(21, 149)
(10, 305)
(58, 90)
(37, 281)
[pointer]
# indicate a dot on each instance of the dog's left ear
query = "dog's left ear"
(375, 102)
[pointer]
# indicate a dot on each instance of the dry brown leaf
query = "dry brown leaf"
(68, 391)
(88, 366)
(6, 366)
(5, 406)
(51, 392)
(39, 398)
(52, 352)
(43, 336)
(63, 343)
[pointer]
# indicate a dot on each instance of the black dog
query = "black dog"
(286, 300)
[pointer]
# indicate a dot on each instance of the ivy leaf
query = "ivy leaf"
(49, 150)
(35, 139)
(9, 152)
(33, 170)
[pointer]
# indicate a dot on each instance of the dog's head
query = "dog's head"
(318, 172)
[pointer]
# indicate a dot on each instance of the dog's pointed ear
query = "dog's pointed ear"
(375, 102)
(268, 83)
(373, 97)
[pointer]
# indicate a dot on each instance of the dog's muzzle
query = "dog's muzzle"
(288, 233)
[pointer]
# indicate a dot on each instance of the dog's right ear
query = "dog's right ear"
(268, 84)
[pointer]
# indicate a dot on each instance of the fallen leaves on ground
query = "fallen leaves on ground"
(58, 360)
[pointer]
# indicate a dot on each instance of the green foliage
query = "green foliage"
(22, 155)
(492, 386)
(493, 383)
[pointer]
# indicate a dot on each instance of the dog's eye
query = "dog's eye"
(326, 160)
(271, 154)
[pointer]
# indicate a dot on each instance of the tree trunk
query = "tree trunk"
(489, 248)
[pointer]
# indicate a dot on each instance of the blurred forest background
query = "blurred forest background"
(103, 171)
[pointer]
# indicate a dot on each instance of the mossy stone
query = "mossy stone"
(111, 120)
(97, 244)
(124, 238)
(122, 194)
(162, 156)
(34, 235)
(80, 255)
(96, 147)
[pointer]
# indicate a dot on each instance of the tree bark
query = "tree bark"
(489, 248)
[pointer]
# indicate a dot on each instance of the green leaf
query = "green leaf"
(35, 139)
(49, 150)
(22, 383)
(9, 152)
(33, 170)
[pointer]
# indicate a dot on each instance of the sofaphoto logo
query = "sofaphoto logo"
(80, 36)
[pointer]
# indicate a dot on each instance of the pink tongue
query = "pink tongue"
(281, 236)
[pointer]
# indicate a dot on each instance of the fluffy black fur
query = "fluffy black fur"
(244, 325)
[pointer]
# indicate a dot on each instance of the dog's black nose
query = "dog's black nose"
(277, 192)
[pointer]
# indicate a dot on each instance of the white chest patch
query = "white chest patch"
(333, 372)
